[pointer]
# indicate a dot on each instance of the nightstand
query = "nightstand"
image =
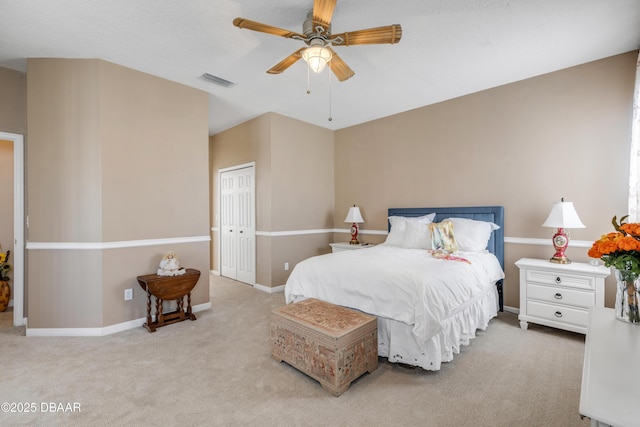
(559, 295)
(346, 246)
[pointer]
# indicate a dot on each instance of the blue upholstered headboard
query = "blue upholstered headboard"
(493, 214)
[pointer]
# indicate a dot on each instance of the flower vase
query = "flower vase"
(5, 294)
(627, 297)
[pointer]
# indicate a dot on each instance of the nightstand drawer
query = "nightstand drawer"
(556, 313)
(563, 296)
(564, 279)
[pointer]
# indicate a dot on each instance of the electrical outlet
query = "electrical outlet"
(286, 266)
(128, 294)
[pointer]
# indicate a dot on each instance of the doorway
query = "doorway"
(237, 223)
(18, 226)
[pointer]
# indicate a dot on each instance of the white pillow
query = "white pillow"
(396, 232)
(472, 235)
(399, 225)
(417, 235)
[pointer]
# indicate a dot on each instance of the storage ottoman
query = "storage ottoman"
(332, 344)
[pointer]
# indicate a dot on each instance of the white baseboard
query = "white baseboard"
(98, 332)
(268, 289)
(258, 286)
(513, 310)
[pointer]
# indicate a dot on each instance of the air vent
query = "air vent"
(217, 80)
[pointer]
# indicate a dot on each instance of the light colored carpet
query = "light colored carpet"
(6, 318)
(217, 370)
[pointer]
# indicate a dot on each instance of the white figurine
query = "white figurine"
(170, 266)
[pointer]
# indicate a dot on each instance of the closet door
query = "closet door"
(246, 237)
(237, 224)
(228, 230)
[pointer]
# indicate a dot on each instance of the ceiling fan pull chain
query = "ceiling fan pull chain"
(330, 118)
(308, 82)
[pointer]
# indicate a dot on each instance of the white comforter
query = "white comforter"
(406, 285)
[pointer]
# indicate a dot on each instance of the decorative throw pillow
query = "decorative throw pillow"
(472, 235)
(442, 237)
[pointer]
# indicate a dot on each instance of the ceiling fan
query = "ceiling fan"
(316, 34)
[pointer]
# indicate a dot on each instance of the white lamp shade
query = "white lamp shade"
(563, 215)
(354, 215)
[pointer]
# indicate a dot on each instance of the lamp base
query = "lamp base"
(560, 242)
(354, 234)
(560, 260)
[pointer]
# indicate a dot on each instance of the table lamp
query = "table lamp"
(563, 215)
(354, 217)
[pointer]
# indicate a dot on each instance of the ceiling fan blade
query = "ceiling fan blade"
(286, 62)
(380, 35)
(323, 11)
(339, 67)
(264, 28)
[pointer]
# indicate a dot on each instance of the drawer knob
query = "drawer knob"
(558, 295)
(557, 314)
(558, 280)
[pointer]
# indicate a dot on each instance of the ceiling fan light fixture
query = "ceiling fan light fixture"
(317, 35)
(317, 57)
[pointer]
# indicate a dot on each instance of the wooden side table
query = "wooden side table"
(169, 288)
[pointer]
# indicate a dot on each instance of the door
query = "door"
(237, 224)
(18, 226)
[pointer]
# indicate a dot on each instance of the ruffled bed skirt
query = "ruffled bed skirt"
(398, 344)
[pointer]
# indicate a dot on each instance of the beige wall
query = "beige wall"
(243, 144)
(154, 160)
(64, 173)
(302, 192)
(13, 102)
(114, 155)
(301, 176)
(522, 146)
(294, 188)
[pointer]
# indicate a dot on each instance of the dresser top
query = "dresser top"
(574, 267)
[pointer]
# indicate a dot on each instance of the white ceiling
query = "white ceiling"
(449, 48)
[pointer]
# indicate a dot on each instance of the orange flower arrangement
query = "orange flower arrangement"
(619, 249)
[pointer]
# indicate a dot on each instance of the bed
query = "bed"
(427, 304)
